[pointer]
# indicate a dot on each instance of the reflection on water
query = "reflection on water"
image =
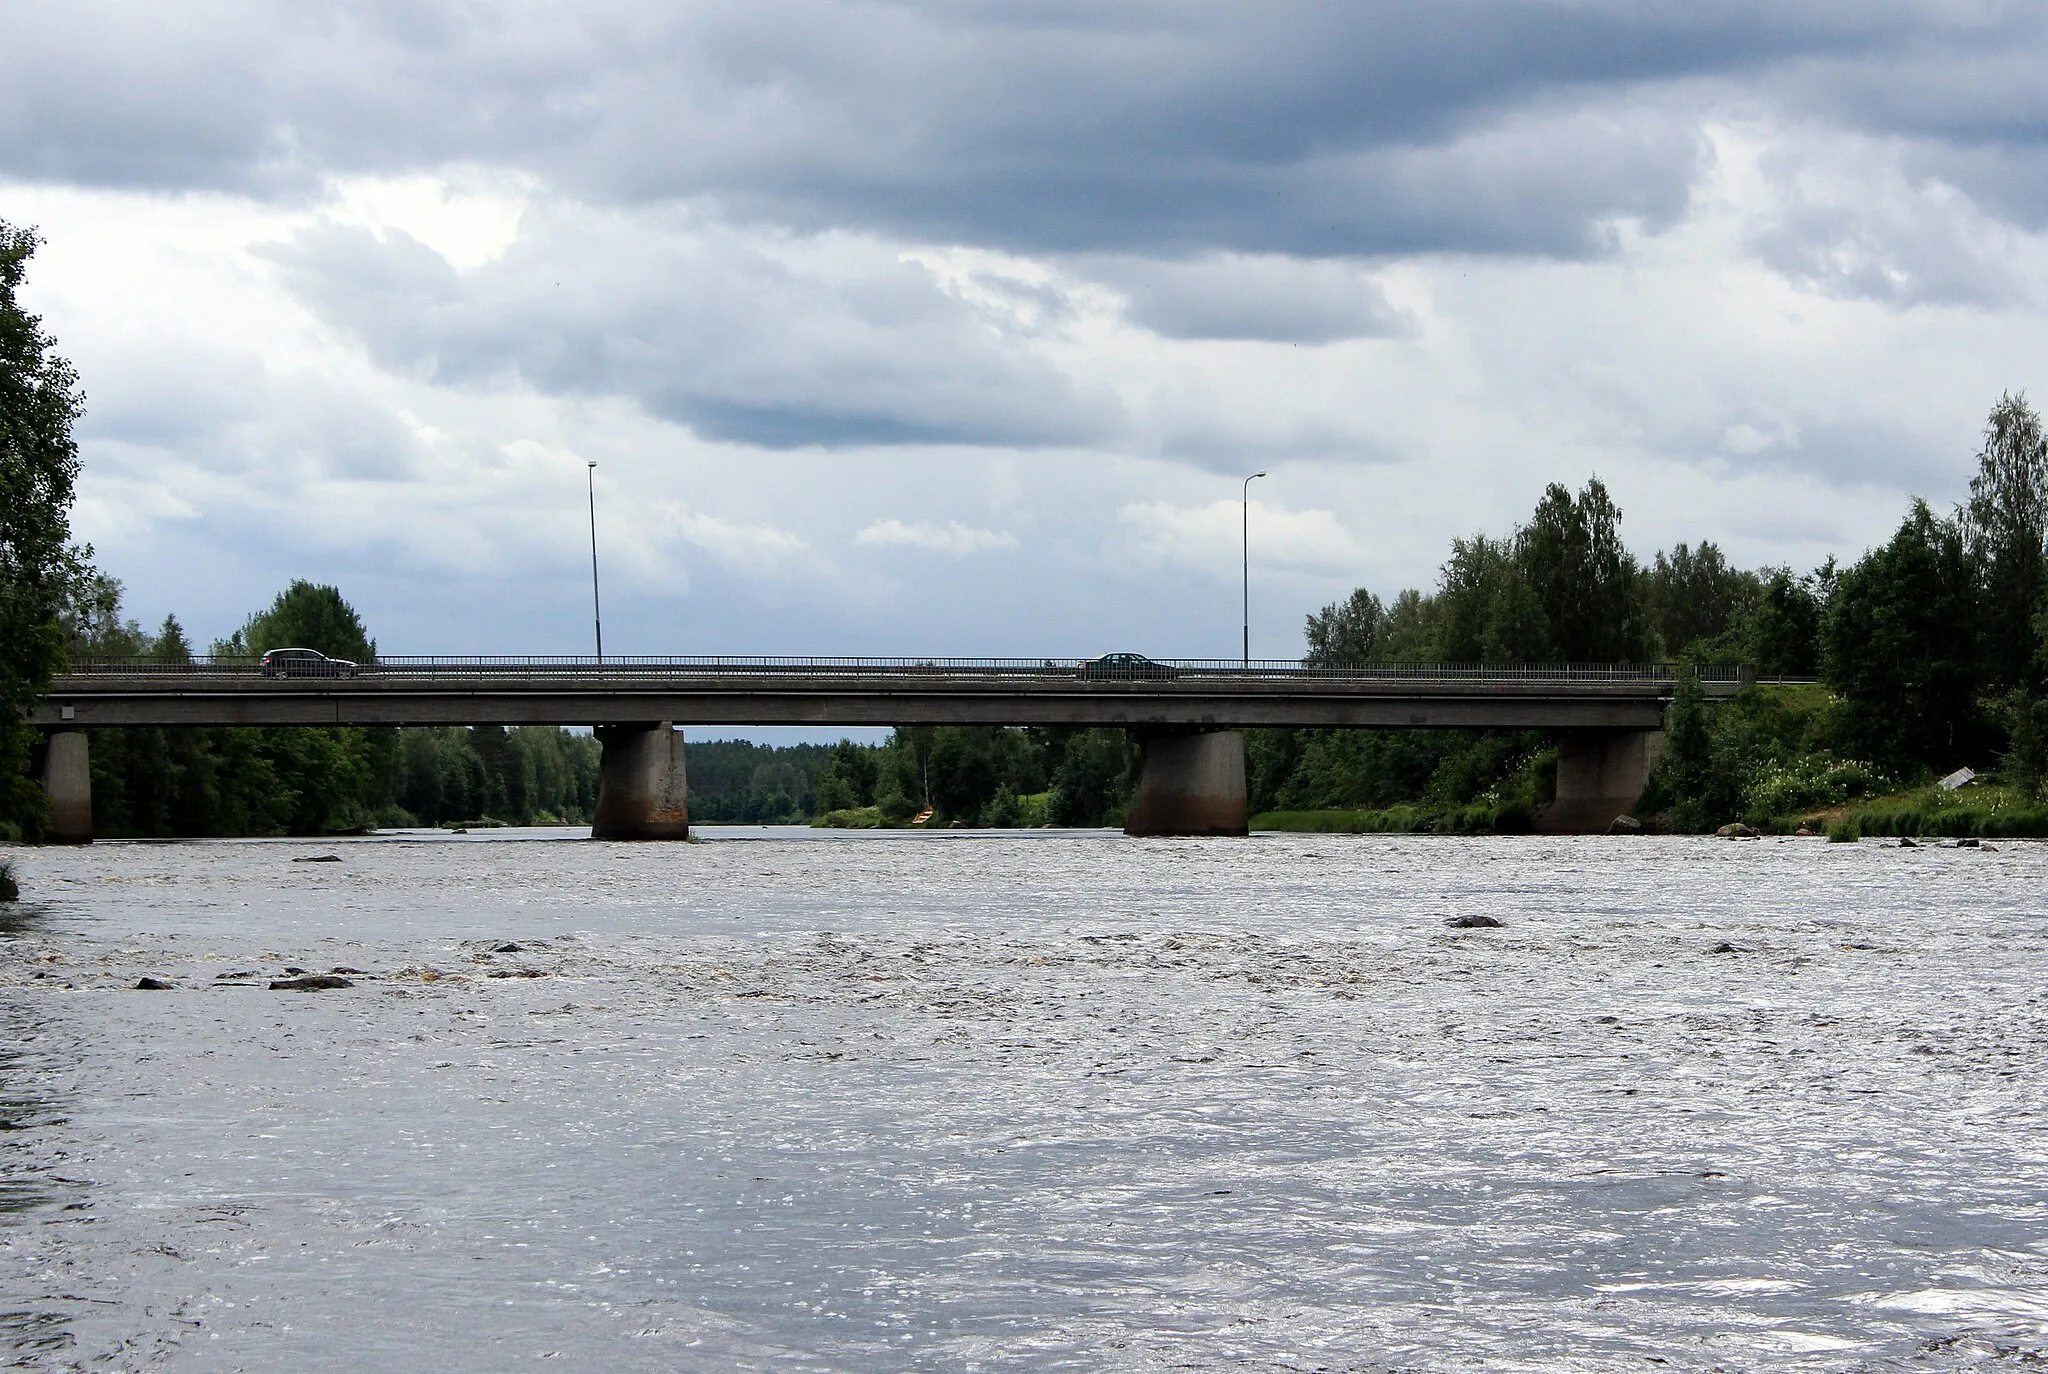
(981, 1102)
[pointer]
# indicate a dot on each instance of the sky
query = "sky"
(954, 328)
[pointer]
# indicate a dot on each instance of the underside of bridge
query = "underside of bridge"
(1190, 782)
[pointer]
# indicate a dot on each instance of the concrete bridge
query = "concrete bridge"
(1185, 713)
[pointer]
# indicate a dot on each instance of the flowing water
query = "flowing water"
(795, 1101)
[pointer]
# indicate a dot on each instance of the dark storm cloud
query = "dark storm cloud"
(1321, 129)
(782, 344)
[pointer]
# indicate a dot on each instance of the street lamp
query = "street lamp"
(596, 613)
(1245, 513)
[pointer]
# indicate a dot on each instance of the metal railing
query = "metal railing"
(644, 667)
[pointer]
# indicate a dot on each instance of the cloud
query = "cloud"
(775, 340)
(1233, 296)
(951, 538)
(1213, 537)
(1172, 128)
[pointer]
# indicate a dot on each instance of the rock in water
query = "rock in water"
(313, 982)
(319, 859)
(1472, 923)
(151, 985)
(508, 947)
(1725, 948)
(1735, 830)
(1908, 842)
(1625, 825)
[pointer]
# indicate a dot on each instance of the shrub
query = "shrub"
(1844, 831)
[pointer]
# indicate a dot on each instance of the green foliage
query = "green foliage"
(2005, 524)
(1693, 599)
(1345, 631)
(1093, 779)
(1900, 644)
(1991, 812)
(1571, 556)
(2026, 758)
(1780, 635)
(304, 616)
(39, 403)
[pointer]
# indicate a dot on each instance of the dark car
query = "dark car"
(305, 663)
(1124, 668)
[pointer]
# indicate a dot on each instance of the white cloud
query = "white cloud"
(950, 538)
(1214, 537)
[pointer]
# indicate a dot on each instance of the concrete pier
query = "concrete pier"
(643, 788)
(1600, 774)
(1190, 784)
(67, 779)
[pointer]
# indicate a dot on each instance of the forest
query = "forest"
(1924, 654)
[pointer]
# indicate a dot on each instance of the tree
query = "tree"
(2005, 523)
(305, 616)
(1345, 631)
(1693, 595)
(1900, 645)
(1584, 580)
(39, 403)
(1782, 634)
(1480, 611)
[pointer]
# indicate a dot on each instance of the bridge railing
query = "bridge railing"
(585, 668)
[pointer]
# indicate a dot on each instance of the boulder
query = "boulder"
(1726, 948)
(1625, 825)
(1472, 923)
(1736, 830)
(312, 982)
(152, 985)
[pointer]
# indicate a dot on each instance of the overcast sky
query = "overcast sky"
(951, 328)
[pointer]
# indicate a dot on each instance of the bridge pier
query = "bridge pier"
(1190, 784)
(67, 781)
(1600, 774)
(643, 788)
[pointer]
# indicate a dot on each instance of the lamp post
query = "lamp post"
(596, 612)
(1245, 514)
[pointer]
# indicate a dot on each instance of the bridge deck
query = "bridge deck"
(827, 692)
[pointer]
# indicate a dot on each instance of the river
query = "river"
(790, 1100)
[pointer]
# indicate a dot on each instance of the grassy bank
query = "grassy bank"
(1991, 812)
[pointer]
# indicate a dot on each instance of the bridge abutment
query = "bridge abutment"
(1190, 784)
(1600, 775)
(643, 788)
(67, 781)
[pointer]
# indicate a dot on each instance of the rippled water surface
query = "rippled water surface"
(798, 1101)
